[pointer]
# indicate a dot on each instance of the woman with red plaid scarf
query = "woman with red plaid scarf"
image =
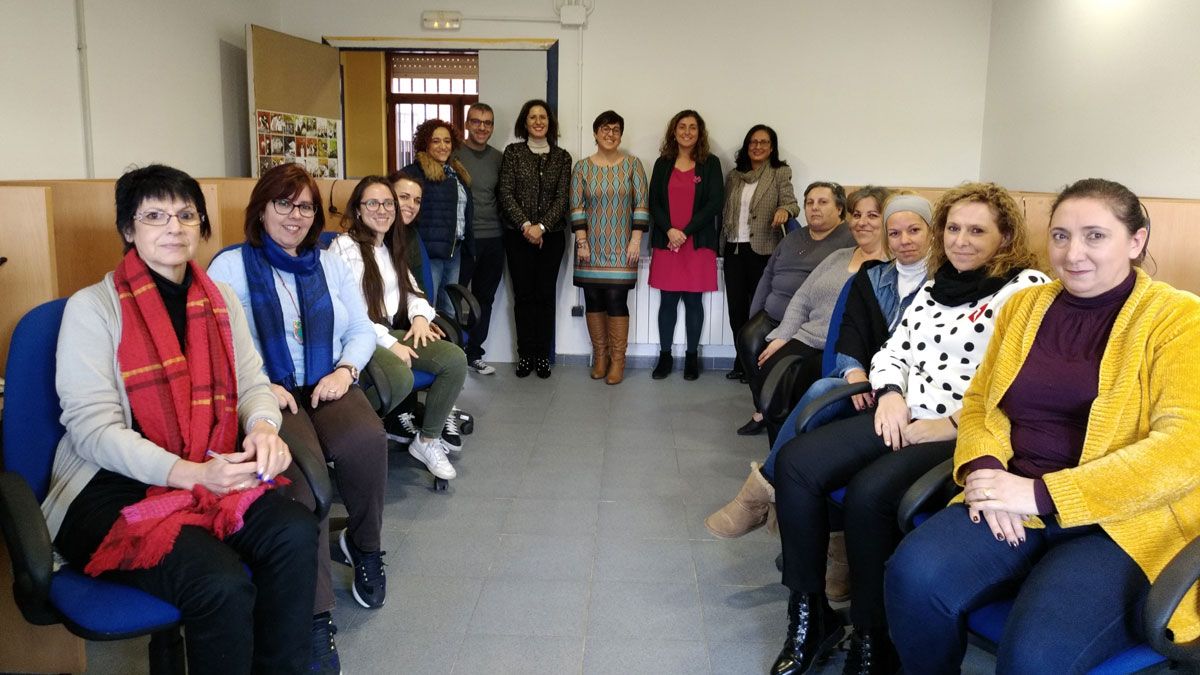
(164, 479)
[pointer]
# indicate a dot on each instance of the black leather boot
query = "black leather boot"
(666, 363)
(871, 653)
(691, 365)
(814, 629)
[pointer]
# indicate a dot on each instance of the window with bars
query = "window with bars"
(427, 85)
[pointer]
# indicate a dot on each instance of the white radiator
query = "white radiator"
(643, 313)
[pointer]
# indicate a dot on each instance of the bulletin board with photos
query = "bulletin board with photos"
(307, 140)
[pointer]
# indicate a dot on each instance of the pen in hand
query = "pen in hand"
(225, 459)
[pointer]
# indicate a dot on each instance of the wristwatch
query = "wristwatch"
(352, 369)
(887, 388)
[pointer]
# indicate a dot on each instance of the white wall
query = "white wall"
(1080, 88)
(39, 117)
(167, 82)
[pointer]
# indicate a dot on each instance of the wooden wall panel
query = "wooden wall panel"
(29, 277)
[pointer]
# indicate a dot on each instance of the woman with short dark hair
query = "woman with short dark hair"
(534, 192)
(164, 478)
(608, 215)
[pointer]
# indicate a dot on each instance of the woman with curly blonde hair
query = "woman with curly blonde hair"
(979, 259)
(447, 210)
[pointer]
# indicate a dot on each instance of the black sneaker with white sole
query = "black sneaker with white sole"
(480, 366)
(401, 428)
(451, 434)
(370, 583)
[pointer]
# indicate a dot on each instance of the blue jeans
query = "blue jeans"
(1080, 598)
(831, 412)
(443, 272)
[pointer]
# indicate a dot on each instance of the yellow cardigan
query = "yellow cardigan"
(1139, 472)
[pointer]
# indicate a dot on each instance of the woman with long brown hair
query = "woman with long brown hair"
(375, 249)
(685, 201)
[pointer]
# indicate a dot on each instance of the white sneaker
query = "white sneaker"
(433, 455)
(451, 436)
(480, 366)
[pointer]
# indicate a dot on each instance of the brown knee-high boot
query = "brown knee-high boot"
(597, 323)
(618, 340)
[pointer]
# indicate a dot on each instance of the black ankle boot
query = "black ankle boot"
(664, 366)
(814, 629)
(871, 653)
(524, 367)
(542, 367)
(691, 365)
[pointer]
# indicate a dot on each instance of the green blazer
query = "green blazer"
(710, 195)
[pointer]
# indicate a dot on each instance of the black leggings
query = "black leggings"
(668, 312)
(612, 301)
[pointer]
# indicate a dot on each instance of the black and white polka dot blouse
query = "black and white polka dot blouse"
(936, 349)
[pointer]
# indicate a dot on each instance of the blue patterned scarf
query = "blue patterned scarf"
(316, 311)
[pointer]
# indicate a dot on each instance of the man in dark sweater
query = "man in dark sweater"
(484, 270)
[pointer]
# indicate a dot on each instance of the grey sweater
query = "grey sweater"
(96, 409)
(484, 166)
(807, 316)
(791, 263)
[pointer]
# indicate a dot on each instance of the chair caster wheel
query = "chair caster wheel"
(440, 484)
(466, 422)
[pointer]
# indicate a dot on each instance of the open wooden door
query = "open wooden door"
(295, 96)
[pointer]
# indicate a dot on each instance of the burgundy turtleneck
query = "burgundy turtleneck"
(1049, 401)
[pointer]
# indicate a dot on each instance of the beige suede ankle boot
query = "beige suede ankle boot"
(748, 510)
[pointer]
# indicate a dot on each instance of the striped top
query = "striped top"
(609, 202)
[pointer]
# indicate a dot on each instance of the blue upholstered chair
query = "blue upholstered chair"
(91, 608)
(986, 624)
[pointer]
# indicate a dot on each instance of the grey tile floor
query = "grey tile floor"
(572, 541)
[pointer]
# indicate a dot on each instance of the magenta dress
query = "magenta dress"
(690, 269)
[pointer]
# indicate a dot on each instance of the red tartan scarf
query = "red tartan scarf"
(185, 403)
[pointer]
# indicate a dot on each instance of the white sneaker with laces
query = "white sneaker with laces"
(480, 366)
(432, 454)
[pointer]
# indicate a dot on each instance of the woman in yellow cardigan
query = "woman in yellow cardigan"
(1083, 412)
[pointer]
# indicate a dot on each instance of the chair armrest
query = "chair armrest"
(774, 379)
(932, 490)
(452, 328)
(28, 543)
(316, 474)
(466, 307)
(374, 378)
(832, 396)
(1164, 597)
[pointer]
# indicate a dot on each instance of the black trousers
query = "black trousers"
(796, 380)
(750, 341)
(846, 453)
(233, 622)
(348, 433)
(742, 269)
(534, 275)
(482, 273)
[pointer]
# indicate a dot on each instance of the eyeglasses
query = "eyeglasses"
(481, 123)
(284, 207)
(157, 218)
(758, 142)
(374, 204)
(609, 130)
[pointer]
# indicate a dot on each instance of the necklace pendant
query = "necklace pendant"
(298, 330)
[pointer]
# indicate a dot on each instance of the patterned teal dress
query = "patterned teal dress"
(609, 202)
